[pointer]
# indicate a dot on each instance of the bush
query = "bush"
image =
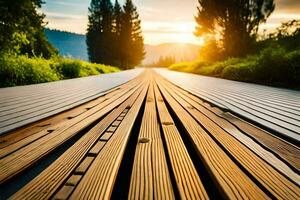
(243, 71)
(68, 68)
(272, 66)
(22, 70)
(279, 67)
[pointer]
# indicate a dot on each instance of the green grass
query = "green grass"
(22, 70)
(272, 66)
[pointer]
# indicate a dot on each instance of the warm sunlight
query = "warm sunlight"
(149, 99)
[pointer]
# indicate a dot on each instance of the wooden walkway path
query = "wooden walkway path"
(143, 137)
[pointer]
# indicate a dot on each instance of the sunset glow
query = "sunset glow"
(168, 21)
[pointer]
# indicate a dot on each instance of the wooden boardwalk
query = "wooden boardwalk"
(149, 134)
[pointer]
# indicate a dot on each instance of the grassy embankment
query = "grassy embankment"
(22, 70)
(272, 66)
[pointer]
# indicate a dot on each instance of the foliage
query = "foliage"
(132, 40)
(111, 27)
(99, 36)
(277, 67)
(235, 22)
(23, 70)
(22, 29)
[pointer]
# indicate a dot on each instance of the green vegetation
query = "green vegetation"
(23, 70)
(234, 50)
(26, 56)
(114, 34)
(272, 66)
(22, 29)
(234, 24)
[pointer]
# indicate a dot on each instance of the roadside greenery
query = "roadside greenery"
(23, 70)
(277, 61)
(26, 56)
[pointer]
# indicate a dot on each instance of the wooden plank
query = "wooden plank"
(84, 165)
(99, 180)
(106, 136)
(150, 177)
(43, 186)
(287, 117)
(31, 129)
(46, 100)
(97, 148)
(73, 180)
(59, 122)
(280, 147)
(187, 179)
(230, 179)
(64, 193)
(40, 90)
(262, 100)
(208, 115)
(277, 184)
(11, 165)
(203, 86)
(120, 78)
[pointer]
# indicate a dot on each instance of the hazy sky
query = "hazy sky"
(162, 20)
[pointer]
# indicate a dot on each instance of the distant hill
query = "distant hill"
(73, 45)
(69, 44)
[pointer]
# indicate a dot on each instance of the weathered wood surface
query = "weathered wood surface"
(26, 104)
(151, 139)
(274, 108)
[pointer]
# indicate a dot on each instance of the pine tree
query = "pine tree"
(100, 32)
(131, 37)
(117, 27)
(117, 18)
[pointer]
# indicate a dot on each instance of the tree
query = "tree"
(131, 37)
(22, 28)
(100, 32)
(114, 34)
(117, 28)
(236, 22)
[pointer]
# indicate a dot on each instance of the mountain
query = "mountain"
(73, 45)
(180, 51)
(69, 44)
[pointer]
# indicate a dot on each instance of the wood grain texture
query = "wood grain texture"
(43, 186)
(150, 177)
(274, 182)
(211, 90)
(11, 165)
(232, 182)
(82, 90)
(187, 179)
(222, 126)
(99, 180)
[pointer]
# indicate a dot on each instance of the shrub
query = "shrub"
(22, 70)
(277, 66)
(68, 68)
(272, 66)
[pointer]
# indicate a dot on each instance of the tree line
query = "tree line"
(114, 35)
(231, 26)
(22, 29)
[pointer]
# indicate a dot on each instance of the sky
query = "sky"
(163, 21)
